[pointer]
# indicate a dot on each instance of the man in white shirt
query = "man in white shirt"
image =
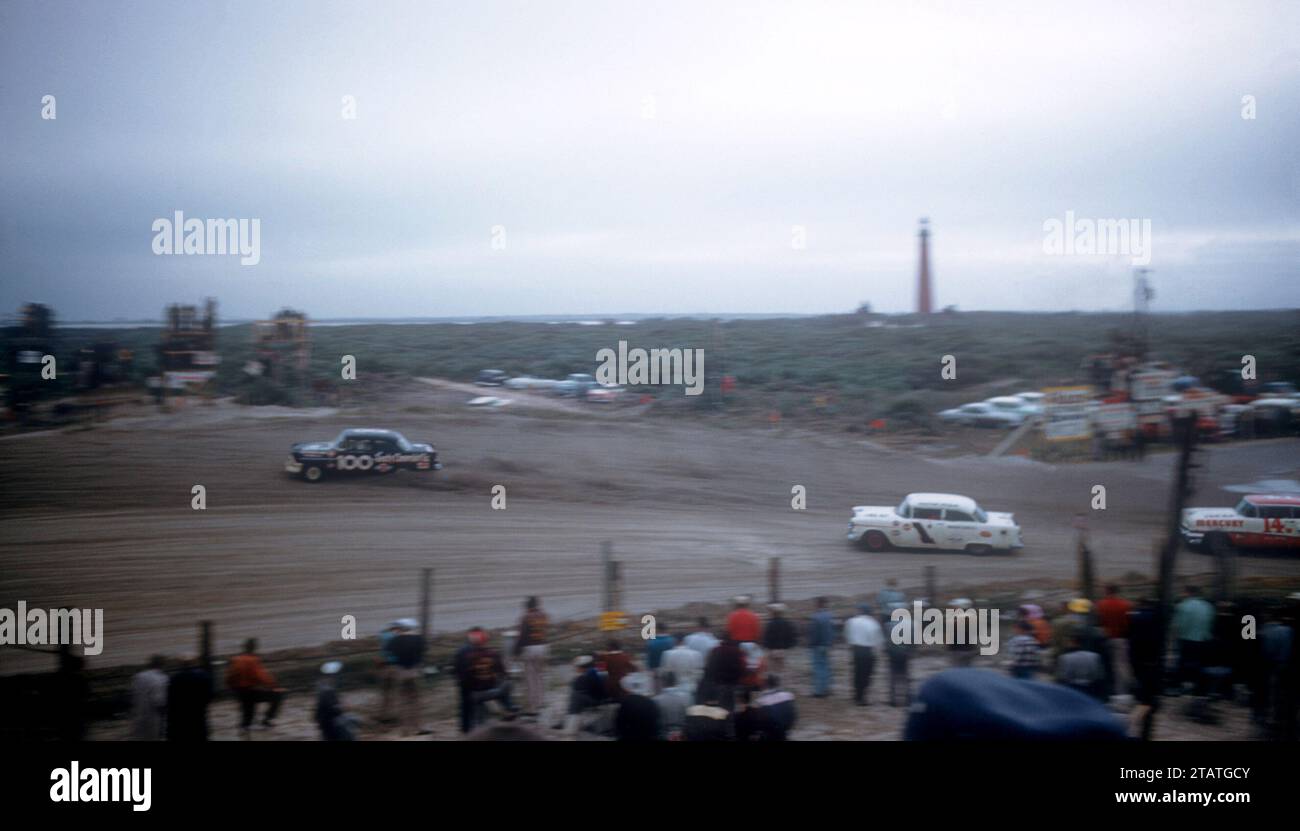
(702, 640)
(864, 636)
(683, 662)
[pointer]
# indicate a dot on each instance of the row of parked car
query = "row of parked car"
(1005, 411)
(579, 385)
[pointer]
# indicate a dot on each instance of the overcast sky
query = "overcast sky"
(646, 157)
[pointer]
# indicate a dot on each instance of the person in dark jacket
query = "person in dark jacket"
(723, 672)
(484, 673)
(1145, 651)
(188, 697)
(638, 714)
(407, 651)
(335, 725)
(781, 634)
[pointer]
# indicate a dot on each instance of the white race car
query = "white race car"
(1258, 521)
(934, 520)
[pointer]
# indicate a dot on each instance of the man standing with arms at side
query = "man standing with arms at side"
(863, 634)
(532, 647)
(1112, 613)
(821, 634)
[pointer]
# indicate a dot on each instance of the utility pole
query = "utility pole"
(1142, 294)
(1185, 436)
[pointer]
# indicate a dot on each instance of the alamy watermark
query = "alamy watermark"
(56, 627)
(641, 367)
(934, 626)
(179, 235)
(1131, 237)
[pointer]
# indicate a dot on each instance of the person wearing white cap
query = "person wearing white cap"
(638, 715)
(335, 725)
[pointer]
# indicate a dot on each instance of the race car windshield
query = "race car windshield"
(402, 442)
(980, 516)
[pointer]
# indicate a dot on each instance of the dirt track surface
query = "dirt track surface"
(101, 518)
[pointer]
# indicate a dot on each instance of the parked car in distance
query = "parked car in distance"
(1032, 399)
(575, 385)
(981, 414)
(490, 378)
(1014, 404)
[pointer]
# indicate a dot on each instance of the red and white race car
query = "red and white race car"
(1258, 521)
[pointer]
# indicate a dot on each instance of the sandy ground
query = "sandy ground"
(102, 518)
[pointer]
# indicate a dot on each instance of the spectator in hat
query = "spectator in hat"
(1071, 624)
(335, 724)
(821, 635)
(638, 714)
(532, 646)
(743, 626)
(779, 636)
(188, 695)
(587, 689)
(149, 702)
(863, 636)
(407, 647)
(252, 684)
(686, 665)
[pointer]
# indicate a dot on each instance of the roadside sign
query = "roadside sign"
(612, 621)
(1065, 411)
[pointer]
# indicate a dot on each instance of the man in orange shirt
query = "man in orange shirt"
(743, 626)
(251, 683)
(1112, 613)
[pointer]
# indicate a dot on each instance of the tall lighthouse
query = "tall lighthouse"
(924, 300)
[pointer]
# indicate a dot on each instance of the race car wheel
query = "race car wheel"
(313, 473)
(978, 549)
(875, 541)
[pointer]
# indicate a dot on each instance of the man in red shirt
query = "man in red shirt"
(252, 684)
(743, 626)
(1112, 613)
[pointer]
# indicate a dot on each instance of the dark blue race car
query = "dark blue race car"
(360, 451)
